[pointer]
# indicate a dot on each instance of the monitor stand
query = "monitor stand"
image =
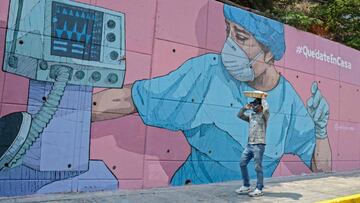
(59, 161)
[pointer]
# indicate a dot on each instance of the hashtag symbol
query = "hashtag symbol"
(299, 50)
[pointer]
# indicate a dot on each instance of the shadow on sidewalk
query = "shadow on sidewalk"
(288, 195)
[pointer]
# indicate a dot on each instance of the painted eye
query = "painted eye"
(241, 37)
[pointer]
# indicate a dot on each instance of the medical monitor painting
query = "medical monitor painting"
(76, 32)
(154, 102)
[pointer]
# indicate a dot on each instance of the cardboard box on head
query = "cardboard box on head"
(255, 94)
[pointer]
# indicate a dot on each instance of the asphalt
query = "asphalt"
(306, 188)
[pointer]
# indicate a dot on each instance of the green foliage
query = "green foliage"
(337, 20)
(295, 18)
(342, 20)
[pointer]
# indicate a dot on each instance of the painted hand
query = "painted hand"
(318, 109)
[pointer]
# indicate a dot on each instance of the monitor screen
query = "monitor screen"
(76, 32)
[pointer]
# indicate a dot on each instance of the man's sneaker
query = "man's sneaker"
(243, 190)
(256, 193)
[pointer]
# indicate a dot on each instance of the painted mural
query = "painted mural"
(80, 111)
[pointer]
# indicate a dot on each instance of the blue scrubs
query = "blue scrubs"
(202, 100)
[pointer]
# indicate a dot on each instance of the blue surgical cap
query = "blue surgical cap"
(268, 32)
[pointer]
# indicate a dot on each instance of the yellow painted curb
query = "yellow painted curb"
(347, 199)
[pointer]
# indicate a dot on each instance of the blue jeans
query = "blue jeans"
(255, 151)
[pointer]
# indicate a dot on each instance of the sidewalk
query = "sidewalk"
(309, 188)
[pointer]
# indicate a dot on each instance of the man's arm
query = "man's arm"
(112, 103)
(241, 113)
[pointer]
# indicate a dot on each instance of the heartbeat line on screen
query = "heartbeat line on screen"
(69, 32)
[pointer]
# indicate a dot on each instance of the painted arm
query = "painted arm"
(321, 161)
(112, 103)
(161, 101)
(265, 105)
(318, 109)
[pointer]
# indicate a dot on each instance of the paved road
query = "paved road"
(309, 188)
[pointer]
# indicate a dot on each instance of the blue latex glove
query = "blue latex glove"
(318, 109)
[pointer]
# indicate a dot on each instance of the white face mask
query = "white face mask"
(237, 62)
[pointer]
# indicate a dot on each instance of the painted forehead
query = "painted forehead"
(237, 29)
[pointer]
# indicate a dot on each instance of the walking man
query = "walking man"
(255, 148)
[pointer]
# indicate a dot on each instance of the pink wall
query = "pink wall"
(160, 36)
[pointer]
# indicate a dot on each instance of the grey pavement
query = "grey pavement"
(306, 188)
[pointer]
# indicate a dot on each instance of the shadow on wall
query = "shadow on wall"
(208, 10)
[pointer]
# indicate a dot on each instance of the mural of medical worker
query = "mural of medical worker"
(203, 96)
